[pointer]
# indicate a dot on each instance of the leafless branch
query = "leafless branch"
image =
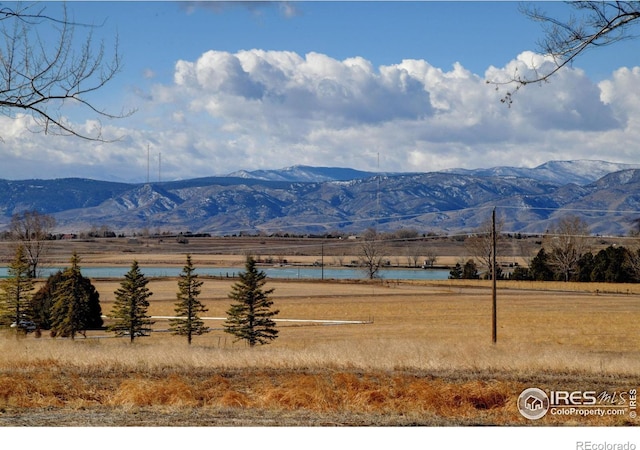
(597, 24)
(41, 76)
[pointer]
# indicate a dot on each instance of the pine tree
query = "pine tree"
(43, 300)
(456, 272)
(540, 267)
(131, 305)
(470, 270)
(188, 306)
(15, 292)
(249, 318)
(75, 303)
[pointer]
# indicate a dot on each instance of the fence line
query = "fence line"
(322, 321)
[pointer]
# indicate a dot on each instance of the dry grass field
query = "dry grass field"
(423, 356)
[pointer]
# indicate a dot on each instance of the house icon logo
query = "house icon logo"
(533, 403)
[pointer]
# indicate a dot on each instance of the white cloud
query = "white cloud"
(621, 92)
(270, 109)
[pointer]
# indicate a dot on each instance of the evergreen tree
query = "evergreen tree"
(540, 267)
(188, 306)
(586, 265)
(43, 300)
(75, 304)
(131, 305)
(470, 271)
(456, 272)
(15, 292)
(249, 318)
(610, 265)
(521, 273)
(619, 270)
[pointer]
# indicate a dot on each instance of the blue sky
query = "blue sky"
(222, 86)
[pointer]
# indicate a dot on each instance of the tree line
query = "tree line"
(68, 304)
(614, 264)
(565, 255)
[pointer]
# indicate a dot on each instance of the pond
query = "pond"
(286, 272)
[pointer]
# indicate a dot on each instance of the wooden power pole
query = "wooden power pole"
(494, 316)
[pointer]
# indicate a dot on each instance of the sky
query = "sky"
(218, 87)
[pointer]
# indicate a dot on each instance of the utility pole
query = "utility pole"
(494, 316)
(322, 261)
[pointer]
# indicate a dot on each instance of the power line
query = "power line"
(611, 211)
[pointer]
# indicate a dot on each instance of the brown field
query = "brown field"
(423, 357)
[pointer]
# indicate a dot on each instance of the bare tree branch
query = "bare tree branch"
(597, 24)
(31, 230)
(480, 244)
(566, 243)
(372, 253)
(41, 76)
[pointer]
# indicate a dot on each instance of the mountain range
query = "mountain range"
(303, 199)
